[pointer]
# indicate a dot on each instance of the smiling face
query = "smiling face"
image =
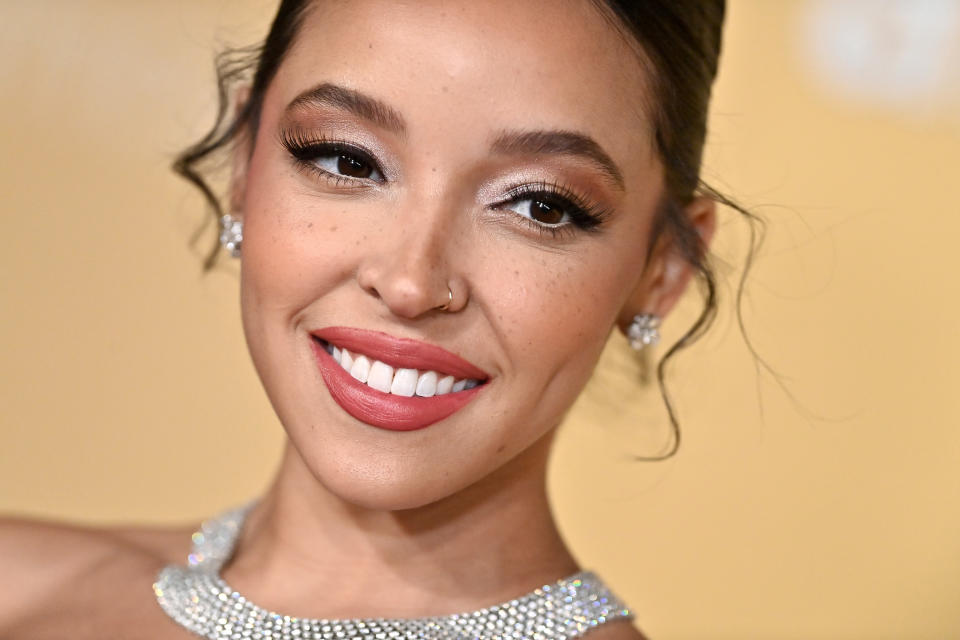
(496, 152)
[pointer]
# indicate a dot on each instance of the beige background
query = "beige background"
(127, 395)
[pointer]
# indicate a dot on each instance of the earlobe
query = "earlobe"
(231, 222)
(669, 270)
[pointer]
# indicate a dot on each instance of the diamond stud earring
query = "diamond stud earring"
(231, 234)
(644, 331)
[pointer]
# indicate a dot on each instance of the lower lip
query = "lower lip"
(385, 410)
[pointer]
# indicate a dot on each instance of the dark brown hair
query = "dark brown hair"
(679, 44)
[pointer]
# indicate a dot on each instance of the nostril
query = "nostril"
(373, 292)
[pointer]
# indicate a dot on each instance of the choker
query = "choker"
(197, 598)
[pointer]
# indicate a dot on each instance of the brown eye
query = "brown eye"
(338, 160)
(543, 210)
(353, 167)
(552, 208)
(546, 212)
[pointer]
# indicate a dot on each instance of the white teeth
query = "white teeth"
(404, 382)
(427, 384)
(401, 382)
(346, 360)
(444, 385)
(361, 368)
(381, 376)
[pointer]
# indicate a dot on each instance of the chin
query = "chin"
(383, 481)
(388, 496)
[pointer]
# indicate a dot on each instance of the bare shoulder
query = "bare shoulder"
(40, 557)
(617, 630)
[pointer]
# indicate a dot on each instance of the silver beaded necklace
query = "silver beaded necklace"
(197, 598)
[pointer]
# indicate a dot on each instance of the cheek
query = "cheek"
(288, 246)
(554, 313)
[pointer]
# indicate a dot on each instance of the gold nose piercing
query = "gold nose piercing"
(446, 305)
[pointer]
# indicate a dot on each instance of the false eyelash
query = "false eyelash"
(306, 148)
(585, 216)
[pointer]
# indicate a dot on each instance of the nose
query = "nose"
(408, 265)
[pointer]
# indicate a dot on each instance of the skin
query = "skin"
(453, 517)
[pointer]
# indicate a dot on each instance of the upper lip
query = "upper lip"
(400, 352)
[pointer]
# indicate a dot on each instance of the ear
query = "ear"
(240, 160)
(668, 272)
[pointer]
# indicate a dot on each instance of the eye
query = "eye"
(346, 162)
(542, 210)
(334, 160)
(554, 207)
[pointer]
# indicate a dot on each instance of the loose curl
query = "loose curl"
(679, 43)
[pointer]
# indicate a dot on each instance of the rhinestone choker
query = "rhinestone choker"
(197, 598)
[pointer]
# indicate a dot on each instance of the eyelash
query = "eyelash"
(305, 150)
(584, 216)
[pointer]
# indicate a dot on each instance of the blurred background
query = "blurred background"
(819, 501)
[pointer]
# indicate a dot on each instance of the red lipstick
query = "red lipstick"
(386, 410)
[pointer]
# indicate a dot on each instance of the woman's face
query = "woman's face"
(497, 150)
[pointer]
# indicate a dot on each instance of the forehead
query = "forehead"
(496, 64)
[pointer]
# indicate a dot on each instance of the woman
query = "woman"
(442, 211)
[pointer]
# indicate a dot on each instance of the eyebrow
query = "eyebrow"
(567, 143)
(359, 104)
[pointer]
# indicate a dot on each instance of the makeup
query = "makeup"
(393, 383)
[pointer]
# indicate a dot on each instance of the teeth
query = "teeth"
(381, 376)
(361, 368)
(404, 382)
(444, 385)
(427, 384)
(401, 382)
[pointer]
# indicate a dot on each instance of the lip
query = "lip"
(385, 410)
(400, 352)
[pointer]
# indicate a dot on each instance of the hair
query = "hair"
(679, 46)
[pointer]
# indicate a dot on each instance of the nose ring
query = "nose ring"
(446, 305)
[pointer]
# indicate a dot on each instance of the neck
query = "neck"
(490, 542)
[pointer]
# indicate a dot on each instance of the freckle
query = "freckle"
(310, 226)
(333, 228)
(501, 448)
(434, 169)
(444, 88)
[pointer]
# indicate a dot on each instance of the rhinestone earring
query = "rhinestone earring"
(644, 331)
(231, 234)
